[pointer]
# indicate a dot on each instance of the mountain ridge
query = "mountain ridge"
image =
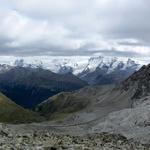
(102, 99)
(76, 66)
(93, 70)
(30, 86)
(121, 109)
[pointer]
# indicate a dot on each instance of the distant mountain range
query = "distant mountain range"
(95, 70)
(29, 83)
(101, 71)
(77, 65)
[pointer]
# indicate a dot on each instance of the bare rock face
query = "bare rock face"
(132, 122)
(140, 81)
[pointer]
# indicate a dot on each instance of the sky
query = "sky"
(75, 27)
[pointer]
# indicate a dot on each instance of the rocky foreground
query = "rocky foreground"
(46, 140)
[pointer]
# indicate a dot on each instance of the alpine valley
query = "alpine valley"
(96, 103)
(28, 83)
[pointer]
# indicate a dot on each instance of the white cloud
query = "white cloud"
(56, 27)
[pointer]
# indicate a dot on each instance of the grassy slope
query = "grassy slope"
(13, 113)
(62, 104)
(99, 99)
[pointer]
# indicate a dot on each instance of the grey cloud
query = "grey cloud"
(69, 27)
(116, 53)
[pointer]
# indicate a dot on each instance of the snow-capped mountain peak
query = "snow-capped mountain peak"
(90, 69)
(77, 65)
(111, 63)
(22, 63)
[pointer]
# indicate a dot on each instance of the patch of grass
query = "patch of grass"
(62, 105)
(13, 113)
(59, 117)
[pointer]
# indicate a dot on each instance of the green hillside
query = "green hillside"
(62, 105)
(13, 113)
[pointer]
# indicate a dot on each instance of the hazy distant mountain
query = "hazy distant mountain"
(29, 86)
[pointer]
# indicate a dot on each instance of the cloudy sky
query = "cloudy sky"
(75, 27)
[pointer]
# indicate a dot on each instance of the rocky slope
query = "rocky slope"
(140, 81)
(130, 92)
(47, 140)
(94, 102)
(122, 109)
(30, 86)
(133, 122)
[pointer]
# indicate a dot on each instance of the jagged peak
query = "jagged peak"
(139, 82)
(76, 65)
